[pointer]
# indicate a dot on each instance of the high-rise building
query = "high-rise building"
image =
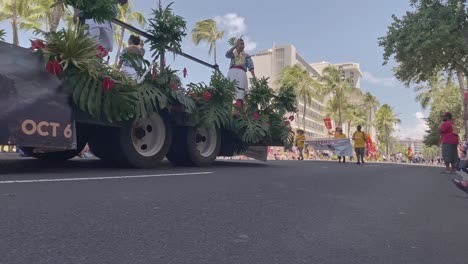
(270, 63)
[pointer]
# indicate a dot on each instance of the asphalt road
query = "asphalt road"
(283, 212)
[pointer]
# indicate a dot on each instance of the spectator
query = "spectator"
(359, 138)
(449, 140)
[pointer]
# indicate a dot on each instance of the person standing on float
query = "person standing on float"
(241, 62)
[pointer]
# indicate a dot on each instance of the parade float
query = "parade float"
(59, 95)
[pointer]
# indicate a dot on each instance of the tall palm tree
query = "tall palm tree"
(22, 14)
(207, 30)
(370, 102)
(126, 14)
(335, 84)
(304, 84)
(353, 114)
(51, 16)
(386, 119)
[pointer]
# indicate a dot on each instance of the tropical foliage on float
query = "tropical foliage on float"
(104, 92)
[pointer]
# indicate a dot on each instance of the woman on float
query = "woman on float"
(241, 62)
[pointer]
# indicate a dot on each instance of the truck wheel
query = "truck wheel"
(82, 135)
(145, 141)
(195, 146)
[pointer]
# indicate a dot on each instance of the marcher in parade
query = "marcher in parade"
(359, 138)
(300, 143)
(339, 135)
(241, 62)
(102, 32)
(135, 49)
(449, 140)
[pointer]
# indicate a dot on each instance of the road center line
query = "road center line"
(106, 178)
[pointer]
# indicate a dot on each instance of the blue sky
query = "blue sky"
(332, 30)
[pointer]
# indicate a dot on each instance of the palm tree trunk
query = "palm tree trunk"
(214, 53)
(386, 141)
(369, 121)
(162, 62)
(57, 14)
(339, 115)
(119, 47)
(14, 24)
(349, 127)
(304, 114)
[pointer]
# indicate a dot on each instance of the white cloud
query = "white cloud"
(415, 130)
(235, 26)
(369, 77)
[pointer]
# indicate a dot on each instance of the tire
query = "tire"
(83, 132)
(195, 146)
(145, 142)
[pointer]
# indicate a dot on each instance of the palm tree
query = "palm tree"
(370, 102)
(303, 83)
(49, 14)
(2, 34)
(126, 14)
(386, 119)
(353, 114)
(22, 14)
(207, 30)
(335, 84)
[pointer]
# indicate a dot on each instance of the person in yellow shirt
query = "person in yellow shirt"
(300, 143)
(359, 138)
(339, 134)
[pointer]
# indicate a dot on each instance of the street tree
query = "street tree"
(22, 15)
(386, 119)
(369, 102)
(207, 30)
(334, 84)
(427, 40)
(305, 86)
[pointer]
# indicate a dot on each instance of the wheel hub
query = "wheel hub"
(206, 140)
(149, 135)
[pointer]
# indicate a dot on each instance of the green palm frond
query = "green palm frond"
(2, 34)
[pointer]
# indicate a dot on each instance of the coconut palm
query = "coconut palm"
(425, 93)
(304, 84)
(334, 84)
(353, 114)
(207, 30)
(126, 14)
(370, 102)
(2, 34)
(22, 14)
(386, 119)
(50, 15)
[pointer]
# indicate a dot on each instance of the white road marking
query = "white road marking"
(105, 178)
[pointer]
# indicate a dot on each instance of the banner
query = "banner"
(341, 147)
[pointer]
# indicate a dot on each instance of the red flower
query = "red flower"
(287, 123)
(256, 115)
(54, 67)
(107, 84)
(102, 52)
(291, 118)
(207, 96)
(37, 44)
(185, 72)
(173, 86)
(238, 104)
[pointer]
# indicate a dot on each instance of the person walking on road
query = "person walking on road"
(339, 135)
(449, 140)
(300, 143)
(359, 138)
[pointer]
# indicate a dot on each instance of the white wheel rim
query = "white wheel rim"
(148, 135)
(206, 140)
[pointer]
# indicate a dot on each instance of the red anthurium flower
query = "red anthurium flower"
(107, 84)
(102, 52)
(54, 67)
(256, 115)
(207, 96)
(173, 86)
(37, 44)
(185, 72)
(287, 123)
(291, 118)
(238, 104)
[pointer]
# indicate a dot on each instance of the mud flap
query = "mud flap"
(257, 153)
(35, 107)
